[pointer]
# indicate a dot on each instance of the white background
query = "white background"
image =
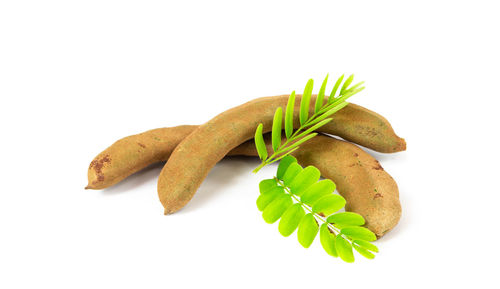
(77, 75)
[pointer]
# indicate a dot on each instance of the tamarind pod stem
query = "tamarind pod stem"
(193, 158)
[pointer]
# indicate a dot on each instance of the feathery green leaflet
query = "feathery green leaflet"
(296, 196)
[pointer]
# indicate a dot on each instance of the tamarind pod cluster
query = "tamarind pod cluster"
(193, 158)
(368, 189)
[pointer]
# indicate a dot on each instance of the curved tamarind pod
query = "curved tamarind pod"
(133, 153)
(368, 189)
(193, 158)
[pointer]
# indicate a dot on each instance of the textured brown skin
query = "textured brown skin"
(368, 189)
(193, 158)
(133, 153)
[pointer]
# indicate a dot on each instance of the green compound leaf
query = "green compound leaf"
(346, 84)
(321, 95)
(363, 252)
(344, 249)
(293, 170)
(327, 240)
(276, 208)
(296, 190)
(283, 166)
(329, 204)
(334, 90)
(259, 143)
(301, 141)
(289, 115)
(306, 178)
(346, 96)
(291, 219)
(267, 185)
(359, 233)
(317, 191)
(334, 108)
(367, 245)
(352, 88)
(315, 127)
(305, 101)
(346, 218)
(276, 132)
(266, 198)
(308, 229)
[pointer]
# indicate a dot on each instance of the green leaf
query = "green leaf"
(291, 219)
(321, 95)
(329, 112)
(346, 96)
(327, 240)
(259, 143)
(276, 132)
(308, 229)
(347, 218)
(352, 88)
(363, 252)
(276, 208)
(293, 170)
(317, 191)
(304, 102)
(329, 204)
(282, 155)
(344, 249)
(367, 245)
(299, 142)
(346, 84)
(306, 178)
(284, 163)
(335, 87)
(267, 185)
(314, 127)
(359, 233)
(266, 198)
(289, 115)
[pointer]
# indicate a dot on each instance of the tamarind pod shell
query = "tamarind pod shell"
(368, 189)
(193, 158)
(133, 153)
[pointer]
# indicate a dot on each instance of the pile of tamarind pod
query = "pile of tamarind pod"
(191, 151)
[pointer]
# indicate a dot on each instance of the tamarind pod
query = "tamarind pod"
(193, 158)
(368, 189)
(133, 153)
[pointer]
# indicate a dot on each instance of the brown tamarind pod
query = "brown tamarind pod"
(193, 158)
